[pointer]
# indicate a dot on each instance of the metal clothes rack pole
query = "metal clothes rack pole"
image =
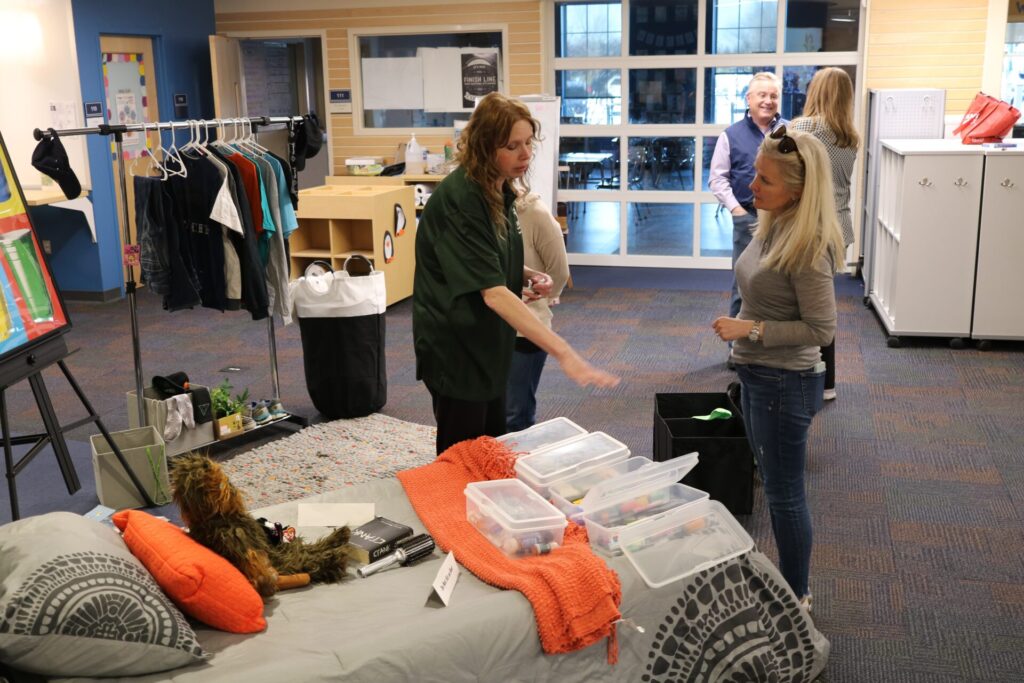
(118, 132)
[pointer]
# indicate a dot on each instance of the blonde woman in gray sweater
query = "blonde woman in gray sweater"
(788, 312)
(828, 116)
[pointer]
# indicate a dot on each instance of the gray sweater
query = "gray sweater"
(799, 312)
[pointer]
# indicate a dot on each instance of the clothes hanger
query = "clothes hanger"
(152, 158)
(170, 154)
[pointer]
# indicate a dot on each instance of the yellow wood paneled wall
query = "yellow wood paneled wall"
(524, 52)
(928, 44)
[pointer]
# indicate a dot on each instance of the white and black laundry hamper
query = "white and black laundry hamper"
(341, 320)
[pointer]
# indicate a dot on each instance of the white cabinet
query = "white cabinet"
(892, 113)
(998, 311)
(926, 237)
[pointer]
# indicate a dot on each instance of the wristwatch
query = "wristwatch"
(755, 331)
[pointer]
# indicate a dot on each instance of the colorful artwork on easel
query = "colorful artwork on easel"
(29, 305)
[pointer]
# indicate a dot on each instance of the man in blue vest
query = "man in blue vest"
(732, 166)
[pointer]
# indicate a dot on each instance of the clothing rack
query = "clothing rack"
(118, 131)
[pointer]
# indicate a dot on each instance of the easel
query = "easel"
(29, 364)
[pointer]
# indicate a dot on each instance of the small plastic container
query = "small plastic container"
(540, 468)
(567, 494)
(683, 542)
(542, 435)
(364, 165)
(646, 494)
(514, 517)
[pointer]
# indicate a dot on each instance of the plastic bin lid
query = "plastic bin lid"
(542, 434)
(647, 478)
(552, 459)
(683, 542)
(531, 511)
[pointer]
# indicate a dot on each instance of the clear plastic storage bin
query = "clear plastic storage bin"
(643, 495)
(540, 468)
(683, 542)
(542, 435)
(567, 494)
(514, 518)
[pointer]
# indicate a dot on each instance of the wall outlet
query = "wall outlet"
(47, 248)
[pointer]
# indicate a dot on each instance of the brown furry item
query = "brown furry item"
(216, 516)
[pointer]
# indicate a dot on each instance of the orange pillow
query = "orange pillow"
(202, 583)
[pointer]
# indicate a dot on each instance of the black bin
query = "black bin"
(726, 467)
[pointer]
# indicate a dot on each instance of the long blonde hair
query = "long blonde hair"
(799, 235)
(488, 129)
(830, 97)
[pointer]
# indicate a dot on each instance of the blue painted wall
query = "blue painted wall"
(180, 31)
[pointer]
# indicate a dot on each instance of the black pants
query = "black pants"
(828, 354)
(458, 420)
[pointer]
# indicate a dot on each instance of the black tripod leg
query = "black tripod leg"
(147, 499)
(53, 429)
(9, 458)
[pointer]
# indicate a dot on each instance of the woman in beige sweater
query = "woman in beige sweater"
(544, 251)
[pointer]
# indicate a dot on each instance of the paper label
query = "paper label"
(444, 582)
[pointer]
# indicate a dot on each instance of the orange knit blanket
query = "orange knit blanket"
(575, 596)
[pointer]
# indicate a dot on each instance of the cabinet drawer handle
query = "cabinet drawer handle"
(960, 182)
(924, 182)
(1006, 183)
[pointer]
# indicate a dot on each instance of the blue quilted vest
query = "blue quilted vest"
(744, 141)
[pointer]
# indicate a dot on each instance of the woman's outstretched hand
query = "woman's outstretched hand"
(585, 374)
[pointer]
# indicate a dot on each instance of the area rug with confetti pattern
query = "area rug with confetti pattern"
(329, 456)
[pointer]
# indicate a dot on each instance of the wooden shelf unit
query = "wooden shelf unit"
(401, 180)
(337, 221)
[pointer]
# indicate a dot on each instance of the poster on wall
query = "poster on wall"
(479, 76)
(124, 81)
(30, 308)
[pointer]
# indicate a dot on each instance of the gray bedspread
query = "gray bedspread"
(734, 622)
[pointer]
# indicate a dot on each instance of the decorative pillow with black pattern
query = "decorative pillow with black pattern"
(74, 601)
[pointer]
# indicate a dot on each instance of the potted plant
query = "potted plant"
(227, 410)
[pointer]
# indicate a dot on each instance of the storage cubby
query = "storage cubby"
(926, 237)
(337, 221)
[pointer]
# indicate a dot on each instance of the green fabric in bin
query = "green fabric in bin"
(726, 467)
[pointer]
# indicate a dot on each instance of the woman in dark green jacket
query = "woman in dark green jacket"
(470, 280)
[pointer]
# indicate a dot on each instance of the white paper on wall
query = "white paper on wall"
(442, 70)
(392, 83)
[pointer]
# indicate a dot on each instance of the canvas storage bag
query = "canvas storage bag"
(341, 320)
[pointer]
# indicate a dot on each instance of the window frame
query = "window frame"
(356, 70)
(625, 131)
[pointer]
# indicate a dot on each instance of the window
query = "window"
(647, 87)
(741, 26)
(815, 26)
(426, 80)
(591, 29)
(659, 27)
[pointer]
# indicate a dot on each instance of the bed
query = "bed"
(735, 621)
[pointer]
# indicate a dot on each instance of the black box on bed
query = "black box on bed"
(726, 467)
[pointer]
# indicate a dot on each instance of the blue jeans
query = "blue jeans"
(521, 398)
(743, 228)
(778, 406)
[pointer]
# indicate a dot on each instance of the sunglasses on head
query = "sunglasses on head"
(786, 143)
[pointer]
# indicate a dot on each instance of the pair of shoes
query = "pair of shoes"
(829, 395)
(277, 411)
(248, 423)
(260, 412)
(807, 602)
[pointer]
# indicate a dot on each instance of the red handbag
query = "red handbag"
(986, 120)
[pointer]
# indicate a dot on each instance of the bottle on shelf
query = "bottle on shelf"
(415, 158)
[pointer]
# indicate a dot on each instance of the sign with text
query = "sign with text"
(445, 582)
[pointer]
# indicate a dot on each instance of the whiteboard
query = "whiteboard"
(544, 168)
